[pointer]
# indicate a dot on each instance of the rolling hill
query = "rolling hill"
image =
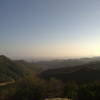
(28, 67)
(8, 69)
(12, 70)
(83, 73)
(62, 63)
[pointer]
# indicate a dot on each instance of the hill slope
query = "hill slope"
(8, 69)
(28, 67)
(62, 63)
(83, 73)
(12, 70)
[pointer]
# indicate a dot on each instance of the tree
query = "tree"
(70, 90)
(53, 88)
(28, 88)
(89, 92)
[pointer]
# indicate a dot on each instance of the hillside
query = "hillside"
(28, 67)
(83, 73)
(62, 63)
(8, 69)
(12, 70)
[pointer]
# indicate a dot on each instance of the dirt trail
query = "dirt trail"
(7, 83)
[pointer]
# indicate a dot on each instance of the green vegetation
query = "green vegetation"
(13, 70)
(9, 70)
(33, 88)
(22, 81)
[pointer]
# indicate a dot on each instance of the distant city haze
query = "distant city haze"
(49, 28)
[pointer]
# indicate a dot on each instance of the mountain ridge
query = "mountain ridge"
(82, 73)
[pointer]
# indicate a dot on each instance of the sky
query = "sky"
(49, 28)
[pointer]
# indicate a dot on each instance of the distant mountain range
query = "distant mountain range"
(84, 69)
(81, 73)
(65, 62)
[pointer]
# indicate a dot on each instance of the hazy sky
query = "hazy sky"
(50, 28)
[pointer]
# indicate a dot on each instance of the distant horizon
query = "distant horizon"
(49, 58)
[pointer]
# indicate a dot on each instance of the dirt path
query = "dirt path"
(7, 83)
